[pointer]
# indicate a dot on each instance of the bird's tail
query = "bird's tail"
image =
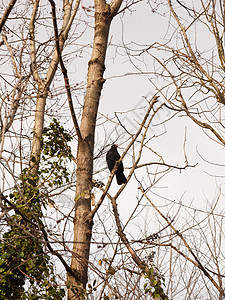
(120, 177)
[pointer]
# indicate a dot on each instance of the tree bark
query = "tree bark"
(82, 226)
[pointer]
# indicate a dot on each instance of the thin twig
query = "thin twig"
(64, 71)
(199, 264)
(92, 213)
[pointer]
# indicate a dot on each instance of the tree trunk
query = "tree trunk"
(83, 229)
(43, 85)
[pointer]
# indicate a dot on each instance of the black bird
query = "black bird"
(111, 157)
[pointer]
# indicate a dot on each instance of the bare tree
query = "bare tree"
(48, 144)
(104, 14)
(192, 73)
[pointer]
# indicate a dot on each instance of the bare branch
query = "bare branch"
(91, 215)
(114, 7)
(32, 43)
(200, 266)
(6, 13)
(64, 71)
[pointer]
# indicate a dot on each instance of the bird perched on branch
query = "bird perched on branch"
(112, 157)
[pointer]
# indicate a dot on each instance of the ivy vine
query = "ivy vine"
(26, 270)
